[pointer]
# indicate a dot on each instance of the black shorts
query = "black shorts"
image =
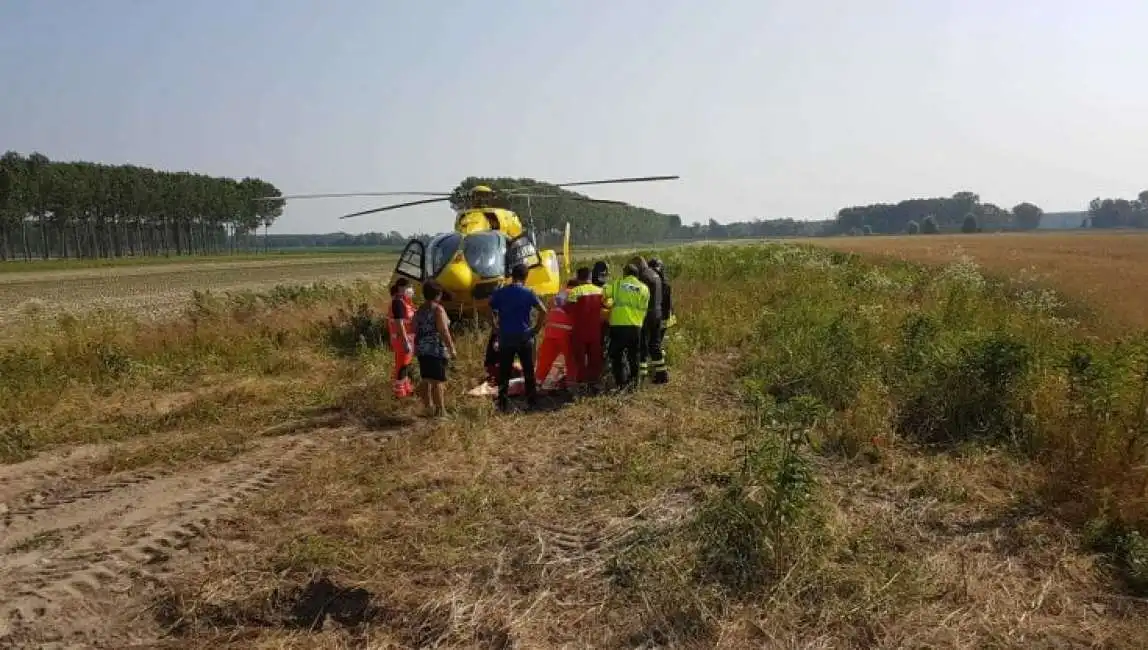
(432, 368)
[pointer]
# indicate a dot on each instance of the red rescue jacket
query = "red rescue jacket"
(584, 304)
(393, 325)
(558, 324)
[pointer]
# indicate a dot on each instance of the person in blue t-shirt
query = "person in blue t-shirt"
(512, 306)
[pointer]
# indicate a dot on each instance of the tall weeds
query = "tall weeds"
(56, 386)
(938, 358)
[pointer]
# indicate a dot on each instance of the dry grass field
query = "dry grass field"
(1105, 271)
(851, 453)
(157, 291)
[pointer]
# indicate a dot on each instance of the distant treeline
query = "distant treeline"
(392, 239)
(1118, 213)
(51, 209)
(713, 230)
(965, 212)
(604, 223)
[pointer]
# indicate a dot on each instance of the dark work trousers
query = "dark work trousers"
(522, 347)
(625, 341)
(653, 361)
(605, 341)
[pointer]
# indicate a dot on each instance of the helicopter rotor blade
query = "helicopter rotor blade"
(609, 181)
(396, 206)
(348, 194)
(637, 179)
(584, 199)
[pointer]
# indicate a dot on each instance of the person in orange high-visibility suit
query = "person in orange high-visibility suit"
(556, 341)
(402, 336)
(584, 304)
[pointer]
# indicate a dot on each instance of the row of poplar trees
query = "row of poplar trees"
(51, 209)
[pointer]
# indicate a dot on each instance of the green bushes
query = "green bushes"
(975, 396)
(754, 525)
(970, 225)
(750, 532)
(1127, 548)
(942, 357)
(822, 354)
(350, 331)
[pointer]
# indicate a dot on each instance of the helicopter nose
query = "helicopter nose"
(456, 277)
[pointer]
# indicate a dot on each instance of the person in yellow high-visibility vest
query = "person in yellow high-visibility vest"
(628, 298)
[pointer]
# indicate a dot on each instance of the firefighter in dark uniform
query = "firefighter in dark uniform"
(652, 326)
(599, 276)
(662, 373)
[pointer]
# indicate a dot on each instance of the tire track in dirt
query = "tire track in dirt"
(49, 468)
(42, 511)
(107, 538)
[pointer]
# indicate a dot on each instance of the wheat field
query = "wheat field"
(1104, 271)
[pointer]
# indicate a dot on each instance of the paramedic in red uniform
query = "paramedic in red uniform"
(584, 304)
(556, 340)
(402, 336)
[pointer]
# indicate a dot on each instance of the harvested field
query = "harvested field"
(157, 291)
(1105, 271)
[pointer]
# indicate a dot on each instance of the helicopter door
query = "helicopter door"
(521, 250)
(410, 264)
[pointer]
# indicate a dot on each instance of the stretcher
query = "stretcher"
(556, 380)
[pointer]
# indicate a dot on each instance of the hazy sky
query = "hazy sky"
(766, 109)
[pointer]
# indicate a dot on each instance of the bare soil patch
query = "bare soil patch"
(69, 552)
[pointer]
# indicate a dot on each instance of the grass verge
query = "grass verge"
(232, 365)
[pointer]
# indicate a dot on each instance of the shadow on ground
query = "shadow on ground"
(308, 607)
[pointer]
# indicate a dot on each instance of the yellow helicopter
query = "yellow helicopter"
(474, 259)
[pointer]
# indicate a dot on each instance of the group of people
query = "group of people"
(591, 319)
(422, 334)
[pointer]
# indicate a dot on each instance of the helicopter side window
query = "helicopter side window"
(441, 249)
(485, 253)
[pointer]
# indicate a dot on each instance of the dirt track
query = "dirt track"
(69, 556)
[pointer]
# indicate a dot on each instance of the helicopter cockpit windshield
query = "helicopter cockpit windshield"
(441, 249)
(485, 253)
